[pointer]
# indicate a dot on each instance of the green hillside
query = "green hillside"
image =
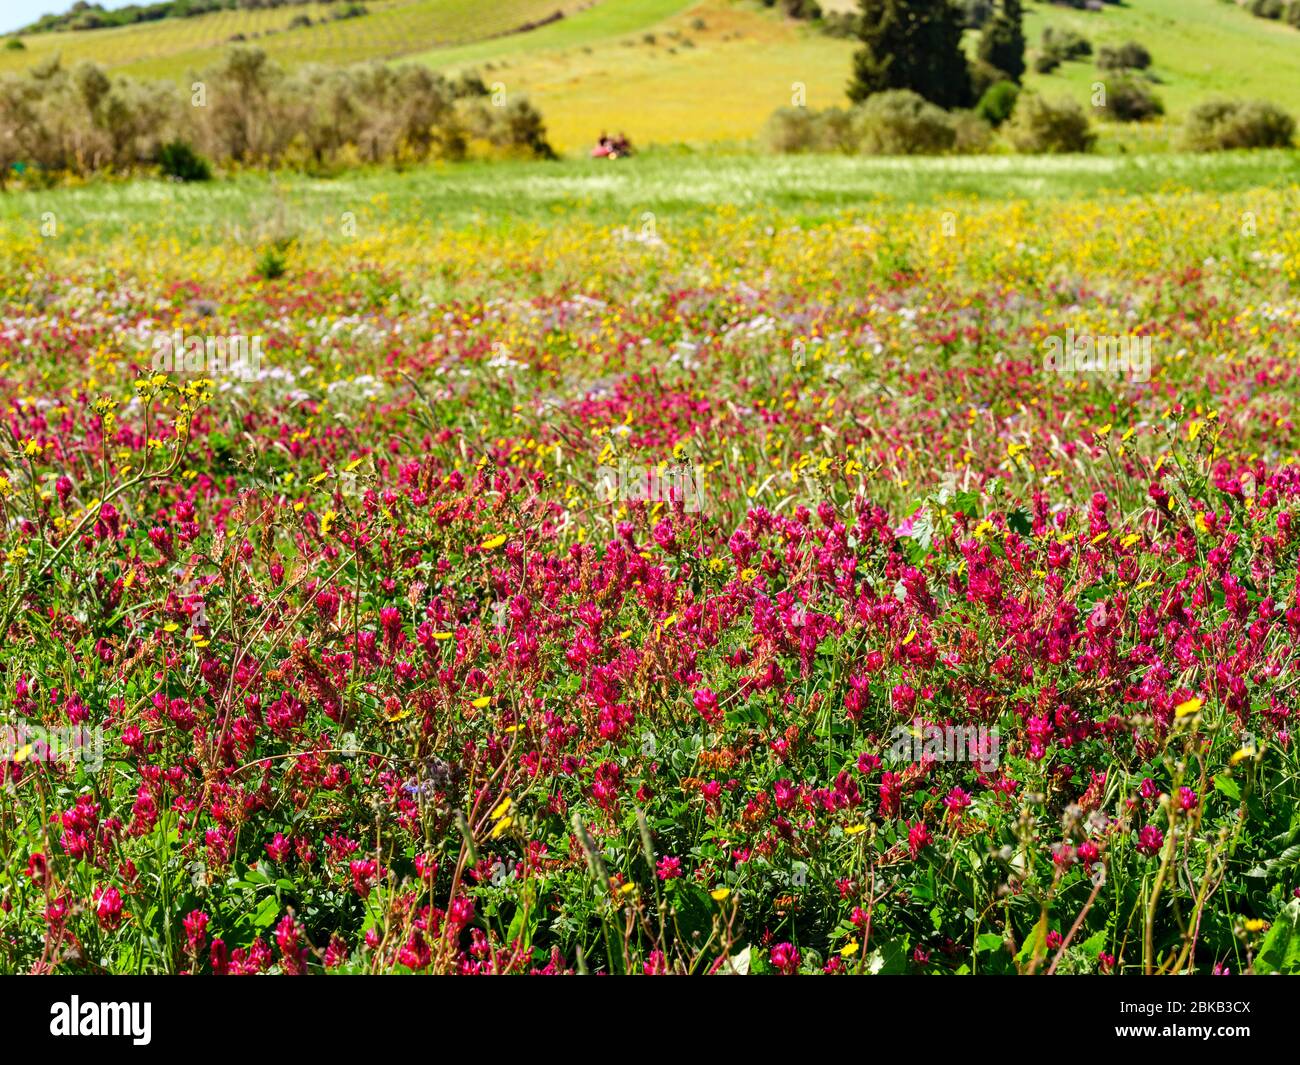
(390, 29)
(692, 71)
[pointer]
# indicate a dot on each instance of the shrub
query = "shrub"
(80, 121)
(1049, 126)
(1293, 13)
(841, 24)
(273, 262)
(983, 76)
(515, 129)
(997, 103)
(1130, 100)
(808, 10)
(1130, 56)
(833, 131)
(1219, 125)
(1046, 62)
(469, 84)
(901, 122)
(179, 161)
(895, 123)
(15, 44)
(789, 130)
(1066, 44)
(57, 120)
(973, 134)
(1266, 8)
(797, 9)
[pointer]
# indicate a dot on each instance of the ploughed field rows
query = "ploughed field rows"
(733, 594)
(328, 32)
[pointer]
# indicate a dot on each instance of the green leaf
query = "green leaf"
(1280, 952)
(1093, 944)
(890, 958)
(1035, 944)
(1228, 787)
(751, 712)
(266, 913)
(520, 929)
(1288, 858)
(691, 906)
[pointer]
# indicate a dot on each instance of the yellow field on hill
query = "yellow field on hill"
(713, 72)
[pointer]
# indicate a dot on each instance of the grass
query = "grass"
(670, 185)
(1201, 48)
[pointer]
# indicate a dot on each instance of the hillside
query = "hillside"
(1201, 48)
(732, 63)
(390, 29)
(690, 71)
(707, 71)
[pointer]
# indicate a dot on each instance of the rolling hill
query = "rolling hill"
(689, 71)
(390, 29)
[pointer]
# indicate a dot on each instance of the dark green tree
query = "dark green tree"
(1002, 42)
(911, 44)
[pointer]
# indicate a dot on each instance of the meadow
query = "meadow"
(589, 569)
(676, 186)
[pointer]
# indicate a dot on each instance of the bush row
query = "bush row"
(247, 110)
(900, 122)
(1286, 10)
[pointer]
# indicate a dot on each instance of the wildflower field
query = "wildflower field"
(572, 582)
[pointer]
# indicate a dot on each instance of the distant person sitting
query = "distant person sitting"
(611, 147)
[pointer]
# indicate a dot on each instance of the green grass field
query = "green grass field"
(672, 186)
(1201, 48)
